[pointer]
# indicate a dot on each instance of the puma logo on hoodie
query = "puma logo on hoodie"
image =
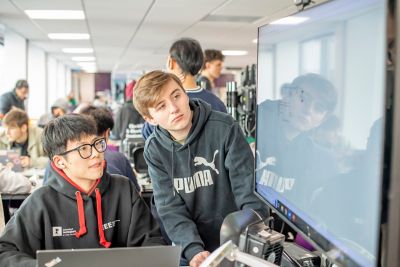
(190, 184)
(200, 160)
(199, 179)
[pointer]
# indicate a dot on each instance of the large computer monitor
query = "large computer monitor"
(321, 98)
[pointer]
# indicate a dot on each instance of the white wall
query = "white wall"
(14, 60)
(37, 82)
(86, 85)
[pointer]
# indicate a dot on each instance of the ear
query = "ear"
(173, 65)
(107, 134)
(169, 63)
(207, 65)
(150, 120)
(60, 162)
(24, 128)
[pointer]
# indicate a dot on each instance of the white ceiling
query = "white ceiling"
(134, 35)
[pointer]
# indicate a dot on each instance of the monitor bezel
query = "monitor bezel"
(394, 215)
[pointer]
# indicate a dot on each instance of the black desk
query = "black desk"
(11, 197)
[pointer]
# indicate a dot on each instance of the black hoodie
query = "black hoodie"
(60, 216)
(200, 182)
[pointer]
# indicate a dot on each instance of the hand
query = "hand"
(198, 259)
(25, 161)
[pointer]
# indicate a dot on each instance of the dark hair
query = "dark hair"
(324, 89)
(16, 117)
(212, 54)
(21, 84)
(148, 89)
(188, 54)
(70, 127)
(102, 116)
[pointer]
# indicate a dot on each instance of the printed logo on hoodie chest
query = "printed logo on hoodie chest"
(59, 231)
(199, 179)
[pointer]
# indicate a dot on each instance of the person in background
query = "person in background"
(126, 115)
(13, 182)
(199, 162)
(80, 196)
(185, 60)
(212, 67)
(117, 163)
(19, 135)
(14, 98)
(59, 108)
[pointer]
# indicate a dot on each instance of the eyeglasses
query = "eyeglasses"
(85, 151)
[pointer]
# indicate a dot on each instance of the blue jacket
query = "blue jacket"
(9, 100)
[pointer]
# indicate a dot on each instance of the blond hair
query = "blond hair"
(148, 89)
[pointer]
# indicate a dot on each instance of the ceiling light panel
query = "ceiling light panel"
(234, 52)
(56, 14)
(69, 36)
(83, 58)
(77, 50)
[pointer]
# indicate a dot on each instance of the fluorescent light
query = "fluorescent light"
(56, 14)
(83, 58)
(90, 70)
(69, 36)
(86, 64)
(292, 20)
(234, 52)
(77, 50)
(255, 41)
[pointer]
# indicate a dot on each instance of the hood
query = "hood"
(60, 182)
(61, 103)
(201, 112)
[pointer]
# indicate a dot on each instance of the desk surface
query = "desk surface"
(5, 196)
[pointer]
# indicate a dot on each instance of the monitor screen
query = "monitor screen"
(320, 125)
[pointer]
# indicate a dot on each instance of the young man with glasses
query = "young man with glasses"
(82, 206)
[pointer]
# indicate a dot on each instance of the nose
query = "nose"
(173, 108)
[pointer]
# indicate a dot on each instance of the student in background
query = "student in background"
(212, 67)
(13, 182)
(117, 163)
(59, 108)
(185, 60)
(199, 161)
(126, 115)
(14, 98)
(19, 135)
(79, 199)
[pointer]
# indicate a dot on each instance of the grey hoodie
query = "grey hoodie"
(200, 182)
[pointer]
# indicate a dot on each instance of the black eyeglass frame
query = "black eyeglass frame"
(92, 145)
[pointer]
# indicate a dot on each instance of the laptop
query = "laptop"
(165, 256)
(11, 158)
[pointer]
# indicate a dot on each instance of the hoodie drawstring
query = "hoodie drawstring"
(103, 240)
(81, 215)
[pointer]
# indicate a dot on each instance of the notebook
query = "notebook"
(165, 256)
(11, 159)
